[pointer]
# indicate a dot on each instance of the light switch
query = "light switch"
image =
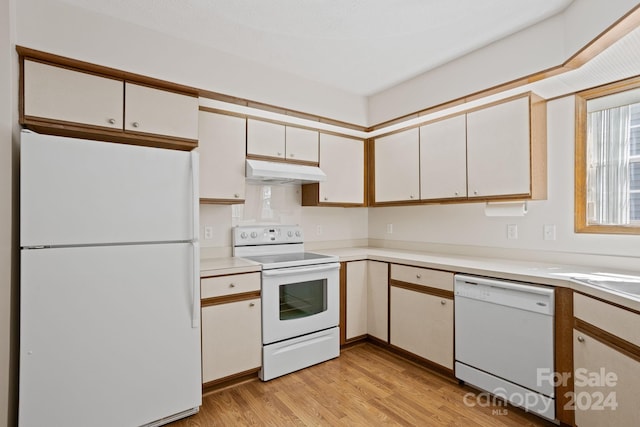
(549, 232)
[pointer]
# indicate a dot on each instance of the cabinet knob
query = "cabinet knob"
(443, 302)
(411, 196)
(135, 124)
(279, 153)
(456, 193)
(232, 285)
(291, 155)
(580, 338)
(236, 195)
(326, 198)
(475, 192)
(418, 276)
(112, 121)
(252, 304)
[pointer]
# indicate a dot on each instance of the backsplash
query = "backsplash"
(269, 204)
(281, 204)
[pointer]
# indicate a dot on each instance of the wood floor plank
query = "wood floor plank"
(365, 386)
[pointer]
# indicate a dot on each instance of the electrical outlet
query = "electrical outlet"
(549, 231)
(208, 232)
(389, 228)
(512, 231)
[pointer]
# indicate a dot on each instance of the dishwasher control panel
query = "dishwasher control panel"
(538, 299)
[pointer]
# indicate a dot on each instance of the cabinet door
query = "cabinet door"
(231, 339)
(342, 159)
(72, 96)
(601, 404)
(498, 150)
(301, 144)
(423, 325)
(356, 300)
(265, 139)
(222, 156)
(397, 163)
(377, 299)
(443, 159)
(160, 112)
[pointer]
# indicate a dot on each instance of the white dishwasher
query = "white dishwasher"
(504, 335)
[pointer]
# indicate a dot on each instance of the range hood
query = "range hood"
(283, 173)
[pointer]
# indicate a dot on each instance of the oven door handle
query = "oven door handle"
(298, 270)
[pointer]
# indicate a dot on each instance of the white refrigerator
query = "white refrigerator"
(109, 289)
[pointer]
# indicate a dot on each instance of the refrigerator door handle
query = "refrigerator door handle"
(195, 313)
(195, 196)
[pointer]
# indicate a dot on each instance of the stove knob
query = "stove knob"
(298, 234)
(254, 234)
(290, 233)
(243, 235)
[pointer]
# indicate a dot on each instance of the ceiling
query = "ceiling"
(360, 46)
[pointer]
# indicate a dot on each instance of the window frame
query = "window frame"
(580, 194)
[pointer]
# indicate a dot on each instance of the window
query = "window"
(608, 159)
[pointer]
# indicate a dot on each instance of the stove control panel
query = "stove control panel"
(255, 235)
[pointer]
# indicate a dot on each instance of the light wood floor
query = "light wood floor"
(365, 386)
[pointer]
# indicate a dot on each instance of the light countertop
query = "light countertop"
(524, 271)
(227, 265)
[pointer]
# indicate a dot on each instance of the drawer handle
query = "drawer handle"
(232, 285)
(112, 121)
(252, 304)
(443, 302)
(418, 276)
(580, 338)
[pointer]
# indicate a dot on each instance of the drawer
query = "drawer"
(422, 276)
(227, 285)
(617, 321)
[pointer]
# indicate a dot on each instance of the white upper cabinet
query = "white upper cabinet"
(498, 150)
(265, 139)
(397, 175)
(222, 157)
(443, 159)
(66, 95)
(342, 160)
(160, 112)
(301, 144)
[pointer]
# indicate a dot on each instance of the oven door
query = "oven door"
(299, 300)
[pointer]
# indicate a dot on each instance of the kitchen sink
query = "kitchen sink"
(623, 283)
(631, 288)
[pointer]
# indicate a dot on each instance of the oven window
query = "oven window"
(303, 299)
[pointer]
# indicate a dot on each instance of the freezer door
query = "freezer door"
(75, 192)
(106, 336)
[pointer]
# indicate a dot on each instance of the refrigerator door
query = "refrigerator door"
(106, 335)
(76, 192)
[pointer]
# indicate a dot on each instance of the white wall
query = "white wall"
(445, 226)
(280, 204)
(6, 211)
(541, 46)
(66, 30)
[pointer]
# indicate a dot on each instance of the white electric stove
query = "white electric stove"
(300, 298)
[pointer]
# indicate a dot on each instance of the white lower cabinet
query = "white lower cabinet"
(231, 339)
(366, 300)
(356, 300)
(231, 326)
(605, 384)
(606, 368)
(423, 325)
(421, 313)
(378, 300)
